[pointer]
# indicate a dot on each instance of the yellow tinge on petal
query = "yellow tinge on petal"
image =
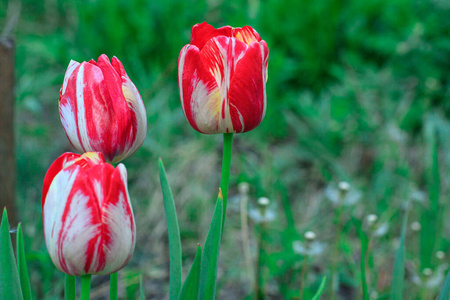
(246, 36)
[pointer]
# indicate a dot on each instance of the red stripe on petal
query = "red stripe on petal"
(247, 90)
(54, 169)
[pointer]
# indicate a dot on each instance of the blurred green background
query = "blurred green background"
(358, 91)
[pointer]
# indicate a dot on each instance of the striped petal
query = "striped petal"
(136, 135)
(247, 94)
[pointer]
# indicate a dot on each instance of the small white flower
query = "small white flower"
(415, 226)
(310, 236)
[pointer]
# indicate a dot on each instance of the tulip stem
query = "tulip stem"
(85, 287)
(69, 288)
(226, 165)
(113, 285)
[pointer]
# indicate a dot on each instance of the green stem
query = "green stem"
(113, 285)
(85, 287)
(226, 165)
(69, 288)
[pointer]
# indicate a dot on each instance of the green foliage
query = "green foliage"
(210, 254)
(320, 290)
(9, 276)
(174, 234)
(191, 284)
(22, 265)
(357, 91)
(398, 276)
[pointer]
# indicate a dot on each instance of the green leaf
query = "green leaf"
(320, 290)
(22, 265)
(190, 287)
(398, 277)
(174, 235)
(9, 276)
(210, 255)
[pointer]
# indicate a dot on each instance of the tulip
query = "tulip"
(222, 78)
(88, 221)
(101, 109)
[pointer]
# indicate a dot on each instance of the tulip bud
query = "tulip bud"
(222, 78)
(88, 220)
(101, 109)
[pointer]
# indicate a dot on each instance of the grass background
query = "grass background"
(358, 91)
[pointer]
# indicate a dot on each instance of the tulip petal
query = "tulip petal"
(136, 135)
(202, 33)
(247, 94)
(69, 222)
(246, 34)
(119, 229)
(204, 79)
(199, 93)
(72, 66)
(54, 169)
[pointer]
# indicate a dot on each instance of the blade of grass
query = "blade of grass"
(364, 247)
(9, 276)
(22, 265)
(190, 286)
(445, 292)
(174, 235)
(430, 219)
(320, 290)
(399, 265)
(210, 255)
(141, 288)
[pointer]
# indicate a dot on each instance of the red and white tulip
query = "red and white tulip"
(101, 109)
(222, 78)
(88, 220)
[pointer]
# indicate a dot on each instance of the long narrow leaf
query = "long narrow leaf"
(141, 288)
(445, 292)
(432, 215)
(189, 290)
(398, 277)
(22, 265)
(210, 256)
(174, 235)
(364, 248)
(9, 277)
(320, 290)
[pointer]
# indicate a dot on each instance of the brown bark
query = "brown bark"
(7, 151)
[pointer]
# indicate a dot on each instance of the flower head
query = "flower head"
(88, 221)
(101, 109)
(222, 78)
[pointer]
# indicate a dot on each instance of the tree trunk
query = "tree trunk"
(7, 153)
